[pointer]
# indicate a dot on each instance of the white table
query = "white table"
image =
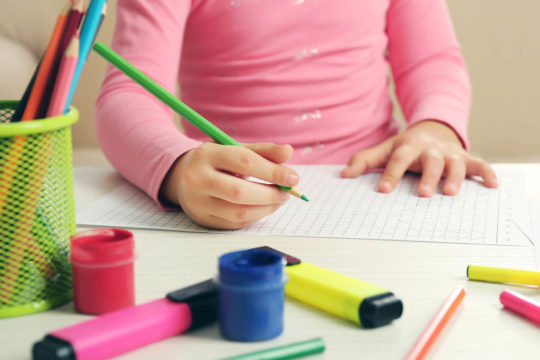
(421, 274)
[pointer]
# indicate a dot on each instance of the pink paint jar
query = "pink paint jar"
(103, 278)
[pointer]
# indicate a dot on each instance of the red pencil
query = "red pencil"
(72, 25)
(429, 335)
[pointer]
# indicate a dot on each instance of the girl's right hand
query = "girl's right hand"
(209, 183)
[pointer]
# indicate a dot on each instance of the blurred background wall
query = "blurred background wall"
(500, 41)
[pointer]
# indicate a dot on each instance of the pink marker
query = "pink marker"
(127, 329)
(521, 305)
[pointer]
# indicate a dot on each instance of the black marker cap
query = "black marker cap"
(53, 348)
(202, 299)
(379, 310)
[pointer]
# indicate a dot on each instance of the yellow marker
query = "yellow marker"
(363, 303)
(502, 275)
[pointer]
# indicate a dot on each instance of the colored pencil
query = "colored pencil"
(63, 82)
(73, 23)
(17, 115)
(34, 102)
(88, 32)
(101, 18)
(175, 104)
(290, 351)
(442, 316)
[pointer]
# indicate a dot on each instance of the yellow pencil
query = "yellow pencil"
(503, 275)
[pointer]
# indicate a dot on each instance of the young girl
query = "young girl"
(309, 73)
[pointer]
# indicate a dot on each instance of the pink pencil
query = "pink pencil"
(65, 75)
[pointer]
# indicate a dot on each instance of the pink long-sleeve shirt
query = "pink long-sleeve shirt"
(310, 73)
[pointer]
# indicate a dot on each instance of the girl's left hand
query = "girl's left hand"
(428, 147)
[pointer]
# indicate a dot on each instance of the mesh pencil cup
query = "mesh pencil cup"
(37, 215)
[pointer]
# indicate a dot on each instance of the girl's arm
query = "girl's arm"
(135, 130)
(432, 86)
(137, 133)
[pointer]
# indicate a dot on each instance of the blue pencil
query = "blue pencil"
(88, 32)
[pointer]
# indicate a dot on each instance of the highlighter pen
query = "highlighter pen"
(502, 275)
(521, 304)
(363, 303)
(127, 329)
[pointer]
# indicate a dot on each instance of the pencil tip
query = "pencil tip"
(303, 197)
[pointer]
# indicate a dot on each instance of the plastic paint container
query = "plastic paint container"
(251, 295)
(102, 262)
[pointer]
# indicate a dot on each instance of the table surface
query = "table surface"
(421, 274)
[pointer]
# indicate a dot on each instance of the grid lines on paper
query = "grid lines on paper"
(344, 208)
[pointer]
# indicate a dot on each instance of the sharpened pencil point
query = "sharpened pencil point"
(303, 197)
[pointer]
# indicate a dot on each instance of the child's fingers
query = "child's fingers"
(374, 157)
(275, 153)
(240, 214)
(215, 222)
(456, 171)
(239, 191)
(432, 170)
(400, 160)
(477, 167)
(239, 160)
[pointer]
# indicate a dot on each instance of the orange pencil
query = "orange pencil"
(429, 335)
(33, 106)
(63, 81)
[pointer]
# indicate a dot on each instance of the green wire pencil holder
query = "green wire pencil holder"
(37, 216)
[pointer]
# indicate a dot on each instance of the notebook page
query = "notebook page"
(350, 208)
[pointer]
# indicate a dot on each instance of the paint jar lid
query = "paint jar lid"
(251, 267)
(102, 247)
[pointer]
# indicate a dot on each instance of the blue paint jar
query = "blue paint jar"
(251, 295)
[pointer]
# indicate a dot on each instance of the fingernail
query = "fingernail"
(495, 182)
(291, 179)
(451, 188)
(425, 189)
(284, 198)
(385, 185)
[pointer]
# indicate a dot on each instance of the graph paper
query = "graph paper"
(350, 208)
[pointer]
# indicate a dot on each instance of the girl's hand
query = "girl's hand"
(209, 183)
(430, 148)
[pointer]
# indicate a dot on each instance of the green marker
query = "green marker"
(174, 103)
(291, 351)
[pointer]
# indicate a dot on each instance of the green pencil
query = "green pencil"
(174, 103)
(291, 351)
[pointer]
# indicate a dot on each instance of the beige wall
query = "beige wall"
(501, 44)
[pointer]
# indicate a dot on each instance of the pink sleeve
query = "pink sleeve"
(429, 72)
(135, 130)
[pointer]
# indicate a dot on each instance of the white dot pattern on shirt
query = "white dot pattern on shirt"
(306, 53)
(310, 148)
(300, 2)
(313, 115)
